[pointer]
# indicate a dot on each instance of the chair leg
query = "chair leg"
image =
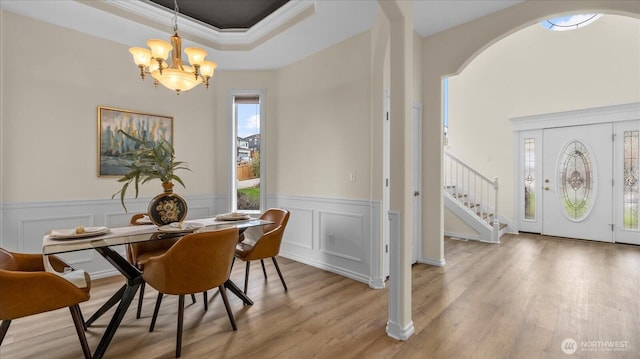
(79, 324)
(233, 261)
(246, 277)
(275, 262)
(264, 270)
(223, 294)
(155, 312)
(193, 298)
(206, 302)
(179, 330)
(3, 329)
(84, 325)
(140, 300)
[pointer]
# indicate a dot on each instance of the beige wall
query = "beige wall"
(324, 123)
(318, 121)
(537, 71)
(49, 114)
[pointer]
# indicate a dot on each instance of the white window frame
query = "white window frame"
(233, 197)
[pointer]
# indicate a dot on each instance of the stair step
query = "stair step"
(484, 215)
(502, 225)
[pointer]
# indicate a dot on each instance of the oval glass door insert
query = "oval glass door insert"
(576, 179)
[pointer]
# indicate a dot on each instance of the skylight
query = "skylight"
(570, 22)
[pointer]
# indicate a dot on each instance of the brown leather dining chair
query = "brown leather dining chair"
(196, 263)
(27, 289)
(139, 253)
(267, 246)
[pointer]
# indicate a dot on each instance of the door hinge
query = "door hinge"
(387, 182)
(612, 226)
(387, 116)
(386, 248)
(613, 137)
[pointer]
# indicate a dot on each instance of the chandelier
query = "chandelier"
(175, 75)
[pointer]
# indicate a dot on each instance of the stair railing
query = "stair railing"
(475, 191)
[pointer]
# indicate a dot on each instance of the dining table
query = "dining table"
(104, 241)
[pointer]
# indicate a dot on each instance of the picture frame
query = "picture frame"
(112, 144)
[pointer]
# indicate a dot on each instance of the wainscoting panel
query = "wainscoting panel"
(24, 224)
(341, 235)
(338, 235)
(35, 227)
(302, 224)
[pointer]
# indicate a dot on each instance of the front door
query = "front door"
(577, 188)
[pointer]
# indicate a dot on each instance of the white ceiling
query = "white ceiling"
(318, 25)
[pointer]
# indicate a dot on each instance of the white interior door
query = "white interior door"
(417, 183)
(386, 165)
(577, 182)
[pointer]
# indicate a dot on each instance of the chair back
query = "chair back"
(7, 261)
(135, 218)
(195, 263)
(279, 216)
(269, 244)
(135, 250)
(26, 289)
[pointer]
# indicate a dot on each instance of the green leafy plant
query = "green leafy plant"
(149, 160)
(255, 165)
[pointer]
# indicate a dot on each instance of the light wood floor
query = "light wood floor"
(518, 299)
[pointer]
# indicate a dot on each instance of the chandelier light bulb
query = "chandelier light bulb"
(159, 48)
(196, 56)
(141, 56)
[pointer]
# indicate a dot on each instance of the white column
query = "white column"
(397, 326)
(400, 16)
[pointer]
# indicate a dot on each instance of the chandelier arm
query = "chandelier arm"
(196, 71)
(160, 67)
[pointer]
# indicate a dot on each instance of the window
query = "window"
(577, 180)
(570, 22)
(247, 184)
(631, 197)
(529, 179)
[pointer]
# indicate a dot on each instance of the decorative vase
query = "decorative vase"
(167, 207)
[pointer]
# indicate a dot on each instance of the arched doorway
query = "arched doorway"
(442, 59)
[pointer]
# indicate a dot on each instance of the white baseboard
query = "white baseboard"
(328, 267)
(395, 331)
(433, 262)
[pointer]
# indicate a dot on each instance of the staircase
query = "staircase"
(473, 198)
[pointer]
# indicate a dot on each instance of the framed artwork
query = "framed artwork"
(112, 143)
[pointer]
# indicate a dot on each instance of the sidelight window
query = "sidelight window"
(529, 179)
(631, 197)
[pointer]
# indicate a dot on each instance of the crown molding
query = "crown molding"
(290, 13)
